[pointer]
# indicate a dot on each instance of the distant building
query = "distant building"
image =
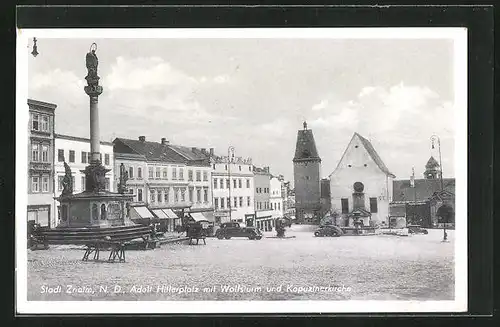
(360, 185)
(306, 173)
(418, 202)
(232, 189)
(169, 180)
(275, 196)
(263, 210)
(326, 202)
(75, 151)
(41, 163)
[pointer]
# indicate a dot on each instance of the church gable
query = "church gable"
(361, 154)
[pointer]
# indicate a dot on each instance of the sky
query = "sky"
(254, 94)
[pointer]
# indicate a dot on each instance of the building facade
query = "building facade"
(276, 196)
(263, 211)
(41, 129)
(75, 151)
(164, 176)
(232, 189)
(361, 184)
(306, 173)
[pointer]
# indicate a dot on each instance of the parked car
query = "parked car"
(416, 229)
(228, 230)
(328, 230)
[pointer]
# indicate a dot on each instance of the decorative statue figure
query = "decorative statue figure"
(91, 63)
(67, 180)
(122, 186)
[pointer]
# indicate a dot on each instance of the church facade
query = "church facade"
(360, 186)
(307, 178)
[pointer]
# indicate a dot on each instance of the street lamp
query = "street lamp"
(435, 138)
(230, 159)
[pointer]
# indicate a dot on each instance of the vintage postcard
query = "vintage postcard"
(241, 170)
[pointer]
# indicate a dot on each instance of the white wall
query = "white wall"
(275, 197)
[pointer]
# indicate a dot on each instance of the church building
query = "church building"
(361, 185)
(307, 180)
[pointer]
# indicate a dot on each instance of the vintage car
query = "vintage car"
(328, 230)
(228, 230)
(416, 229)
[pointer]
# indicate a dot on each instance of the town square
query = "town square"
(252, 169)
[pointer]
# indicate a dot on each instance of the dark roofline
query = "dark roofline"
(46, 105)
(77, 138)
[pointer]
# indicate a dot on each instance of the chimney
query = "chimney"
(164, 141)
(203, 150)
(193, 149)
(211, 151)
(266, 169)
(142, 138)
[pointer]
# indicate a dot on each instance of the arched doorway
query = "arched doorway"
(446, 214)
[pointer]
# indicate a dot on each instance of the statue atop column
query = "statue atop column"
(91, 61)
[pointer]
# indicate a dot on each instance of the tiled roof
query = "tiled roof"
(371, 151)
(189, 153)
(424, 188)
(153, 151)
(305, 147)
(431, 163)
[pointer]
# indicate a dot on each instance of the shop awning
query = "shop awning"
(209, 215)
(160, 214)
(197, 216)
(141, 212)
(170, 214)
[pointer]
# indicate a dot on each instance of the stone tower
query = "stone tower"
(307, 180)
(432, 169)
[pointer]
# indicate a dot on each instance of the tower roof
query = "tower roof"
(305, 148)
(432, 163)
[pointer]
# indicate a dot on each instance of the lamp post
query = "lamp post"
(435, 138)
(230, 157)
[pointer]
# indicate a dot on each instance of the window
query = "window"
(205, 195)
(60, 155)
(234, 183)
(165, 173)
(183, 195)
(190, 175)
(248, 183)
(131, 172)
(239, 183)
(176, 195)
(45, 183)
(35, 155)
(205, 176)
(174, 173)
(225, 167)
(150, 172)
(45, 123)
(198, 195)
(158, 173)
(227, 183)
(216, 203)
(249, 168)
(275, 206)
(139, 173)
(345, 205)
(59, 183)
(166, 195)
(213, 166)
(89, 157)
(159, 196)
(279, 206)
(181, 174)
(139, 195)
(103, 211)
(35, 122)
(215, 183)
(152, 195)
(235, 201)
(107, 184)
(83, 183)
(106, 159)
(228, 202)
(71, 155)
(84, 157)
(198, 176)
(239, 168)
(45, 153)
(222, 203)
(35, 184)
(221, 183)
(190, 194)
(248, 201)
(373, 205)
(241, 201)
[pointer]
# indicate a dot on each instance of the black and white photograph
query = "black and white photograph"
(241, 170)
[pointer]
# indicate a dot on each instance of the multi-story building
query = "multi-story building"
(263, 211)
(276, 196)
(75, 151)
(168, 180)
(41, 163)
(232, 189)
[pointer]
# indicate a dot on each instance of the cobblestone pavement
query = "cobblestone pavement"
(381, 267)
